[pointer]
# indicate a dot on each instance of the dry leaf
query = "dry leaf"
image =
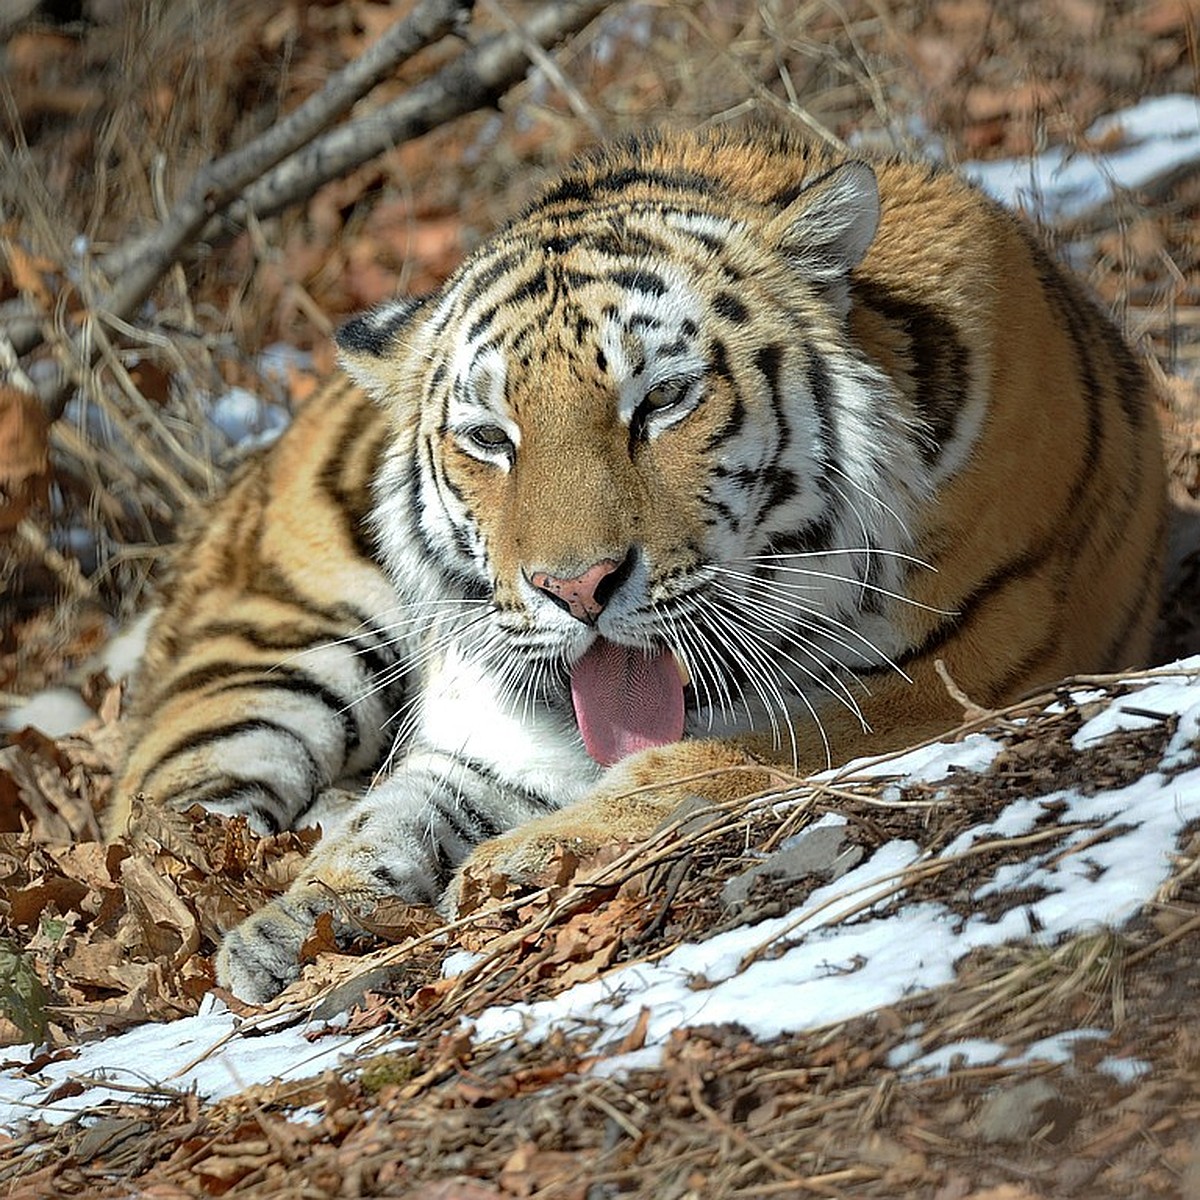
(28, 273)
(24, 457)
(168, 926)
(320, 941)
(529, 1171)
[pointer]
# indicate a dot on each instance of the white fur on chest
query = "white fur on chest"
(468, 712)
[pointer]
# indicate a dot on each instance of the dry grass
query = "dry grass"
(156, 92)
(106, 124)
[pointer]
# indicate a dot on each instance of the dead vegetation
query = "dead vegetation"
(123, 934)
(109, 116)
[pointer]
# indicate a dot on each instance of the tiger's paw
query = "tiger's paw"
(528, 855)
(261, 956)
(548, 850)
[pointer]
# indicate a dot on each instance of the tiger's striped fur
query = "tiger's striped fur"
(810, 424)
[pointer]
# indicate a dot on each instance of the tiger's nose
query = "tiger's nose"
(585, 596)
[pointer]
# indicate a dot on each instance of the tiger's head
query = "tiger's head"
(626, 425)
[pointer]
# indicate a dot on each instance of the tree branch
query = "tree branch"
(140, 264)
(478, 78)
(293, 159)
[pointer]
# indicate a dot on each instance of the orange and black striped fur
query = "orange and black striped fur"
(705, 460)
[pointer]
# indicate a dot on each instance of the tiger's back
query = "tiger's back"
(795, 426)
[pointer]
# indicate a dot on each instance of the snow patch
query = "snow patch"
(1150, 139)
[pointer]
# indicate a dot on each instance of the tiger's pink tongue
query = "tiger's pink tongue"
(626, 700)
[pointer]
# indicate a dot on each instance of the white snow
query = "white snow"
(56, 711)
(213, 1052)
(1124, 1070)
(982, 1052)
(974, 753)
(1131, 148)
(247, 420)
(839, 956)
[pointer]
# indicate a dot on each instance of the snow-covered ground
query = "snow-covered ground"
(1139, 144)
(814, 966)
(832, 958)
(849, 949)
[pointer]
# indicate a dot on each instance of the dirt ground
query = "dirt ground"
(110, 107)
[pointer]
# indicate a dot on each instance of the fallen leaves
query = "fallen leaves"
(24, 457)
(121, 933)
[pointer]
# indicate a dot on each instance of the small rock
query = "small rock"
(353, 992)
(817, 851)
(1018, 1112)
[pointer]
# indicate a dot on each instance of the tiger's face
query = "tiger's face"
(611, 431)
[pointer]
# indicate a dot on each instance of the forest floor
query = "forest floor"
(109, 112)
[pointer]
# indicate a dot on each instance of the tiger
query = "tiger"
(720, 458)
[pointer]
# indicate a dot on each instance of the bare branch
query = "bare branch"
(223, 181)
(291, 161)
(476, 79)
(138, 266)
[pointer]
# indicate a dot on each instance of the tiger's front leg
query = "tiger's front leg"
(404, 842)
(413, 834)
(634, 799)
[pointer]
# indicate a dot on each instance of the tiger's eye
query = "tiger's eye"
(665, 395)
(489, 437)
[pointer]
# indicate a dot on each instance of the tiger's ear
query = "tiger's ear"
(828, 228)
(365, 343)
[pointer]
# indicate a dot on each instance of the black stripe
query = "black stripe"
(353, 499)
(230, 676)
(297, 684)
(560, 243)
(259, 798)
(443, 868)
(369, 333)
(939, 363)
(583, 325)
(710, 241)
(1135, 612)
(576, 280)
(481, 323)
(531, 288)
(640, 321)
(482, 277)
(480, 818)
(1021, 566)
(645, 283)
(816, 535)
(405, 884)
(733, 423)
(820, 386)
(722, 510)
(624, 242)
(578, 190)
(283, 639)
(784, 486)
(377, 655)
(727, 305)
(784, 483)
(495, 783)
(446, 808)
(198, 739)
